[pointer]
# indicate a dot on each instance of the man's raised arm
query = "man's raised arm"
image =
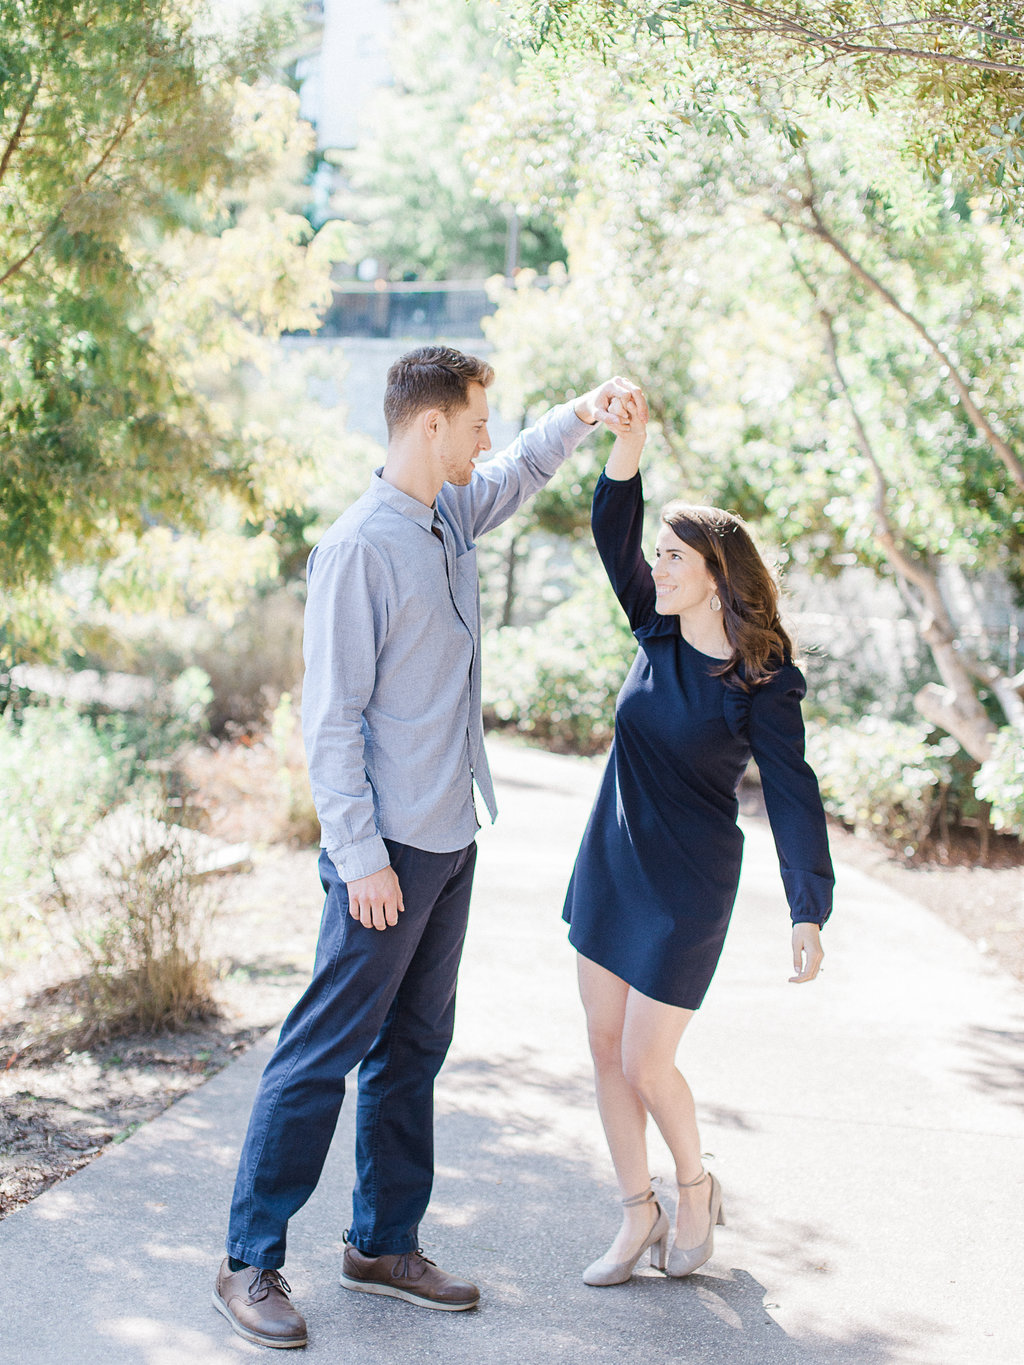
(502, 484)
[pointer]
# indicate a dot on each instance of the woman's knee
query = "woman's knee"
(605, 1048)
(647, 1071)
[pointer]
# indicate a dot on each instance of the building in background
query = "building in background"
(340, 62)
(346, 61)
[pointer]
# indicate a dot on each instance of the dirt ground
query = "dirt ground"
(65, 1095)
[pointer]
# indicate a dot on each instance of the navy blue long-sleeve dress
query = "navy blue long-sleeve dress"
(656, 875)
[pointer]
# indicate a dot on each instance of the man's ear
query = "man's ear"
(432, 422)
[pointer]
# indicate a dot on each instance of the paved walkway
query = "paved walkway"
(868, 1131)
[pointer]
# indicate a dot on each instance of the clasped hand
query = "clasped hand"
(618, 403)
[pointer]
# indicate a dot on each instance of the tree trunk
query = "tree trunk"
(819, 229)
(511, 565)
(953, 706)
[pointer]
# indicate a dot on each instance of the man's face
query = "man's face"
(466, 438)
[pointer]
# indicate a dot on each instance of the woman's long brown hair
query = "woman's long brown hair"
(745, 587)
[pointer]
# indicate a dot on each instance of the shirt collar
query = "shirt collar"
(401, 502)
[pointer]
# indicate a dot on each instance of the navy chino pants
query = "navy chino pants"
(382, 998)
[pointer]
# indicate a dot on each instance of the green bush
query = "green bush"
(245, 664)
(86, 848)
(557, 680)
(58, 774)
(885, 778)
(1000, 782)
(148, 738)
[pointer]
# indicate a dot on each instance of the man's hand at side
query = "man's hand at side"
(376, 901)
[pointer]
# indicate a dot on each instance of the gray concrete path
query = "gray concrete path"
(868, 1131)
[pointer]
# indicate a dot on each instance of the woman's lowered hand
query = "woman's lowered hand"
(807, 952)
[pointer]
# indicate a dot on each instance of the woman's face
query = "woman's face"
(681, 579)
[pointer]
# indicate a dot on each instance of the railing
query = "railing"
(410, 308)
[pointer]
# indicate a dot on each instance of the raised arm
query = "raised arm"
(499, 486)
(630, 438)
(617, 517)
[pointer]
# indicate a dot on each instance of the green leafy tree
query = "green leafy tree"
(951, 75)
(410, 189)
(146, 246)
(838, 364)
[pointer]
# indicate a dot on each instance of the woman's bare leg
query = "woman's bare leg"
(650, 1039)
(605, 997)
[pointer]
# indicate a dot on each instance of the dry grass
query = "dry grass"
(139, 910)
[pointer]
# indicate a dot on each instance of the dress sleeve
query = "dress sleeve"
(775, 729)
(617, 521)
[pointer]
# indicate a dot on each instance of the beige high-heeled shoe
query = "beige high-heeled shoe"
(605, 1272)
(682, 1261)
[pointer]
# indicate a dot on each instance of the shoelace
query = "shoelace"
(400, 1270)
(264, 1281)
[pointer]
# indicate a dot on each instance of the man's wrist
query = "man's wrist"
(584, 410)
(360, 860)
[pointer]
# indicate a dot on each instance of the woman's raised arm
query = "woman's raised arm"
(624, 460)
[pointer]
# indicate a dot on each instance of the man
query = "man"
(394, 739)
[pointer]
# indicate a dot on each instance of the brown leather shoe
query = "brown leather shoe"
(408, 1276)
(255, 1303)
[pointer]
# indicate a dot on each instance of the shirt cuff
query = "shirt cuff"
(360, 860)
(582, 428)
(809, 895)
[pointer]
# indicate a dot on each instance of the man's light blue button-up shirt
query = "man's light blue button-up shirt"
(391, 700)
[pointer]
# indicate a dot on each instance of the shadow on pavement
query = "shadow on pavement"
(521, 1205)
(522, 1208)
(998, 1063)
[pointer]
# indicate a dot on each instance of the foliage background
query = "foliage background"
(808, 253)
(828, 320)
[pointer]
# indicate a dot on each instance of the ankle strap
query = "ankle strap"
(689, 1184)
(634, 1200)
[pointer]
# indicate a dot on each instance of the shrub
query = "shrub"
(1000, 781)
(883, 777)
(58, 775)
(126, 882)
(139, 911)
(299, 821)
(251, 664)
(557, 681)
(246, 663)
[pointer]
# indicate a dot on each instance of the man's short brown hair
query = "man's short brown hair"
(431, 377)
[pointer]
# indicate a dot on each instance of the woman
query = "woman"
(654, 883)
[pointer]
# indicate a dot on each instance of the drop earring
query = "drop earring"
(716, 602)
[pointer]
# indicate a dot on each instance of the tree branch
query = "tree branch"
(128, 123)
(934, 21)
(786, 25)
(955, 706)
(1010, 459)
(15, 138)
